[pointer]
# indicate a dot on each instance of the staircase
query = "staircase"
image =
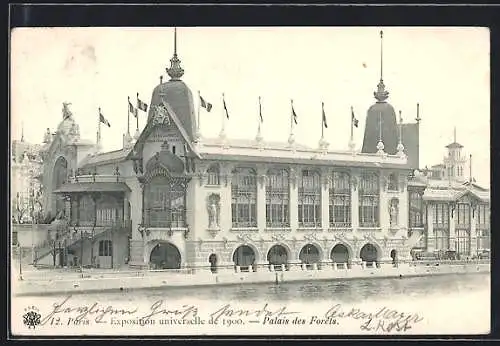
(417, 235)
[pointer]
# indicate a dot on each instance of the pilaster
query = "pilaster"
(261, 197)
(431, 245)
(452, 215)
(325, 199)
(355, 199)
(473, 231)
(294, 199)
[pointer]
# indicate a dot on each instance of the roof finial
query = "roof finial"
(381, 94)
(381, 55)
(175, 71)
(22, 131)
(454, 134)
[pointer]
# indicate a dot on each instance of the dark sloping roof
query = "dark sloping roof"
(93, 187)
(390, 133)
(177, 94)
(454, 145)
(411, 143)
(104, 158)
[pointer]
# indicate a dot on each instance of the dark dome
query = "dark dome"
(177, 94)
(390, 132)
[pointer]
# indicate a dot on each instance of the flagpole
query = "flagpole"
(291, 118)
(222, 132)
(128, 117)
(260, 114)
(99, 127)
(322, 120)
(352, 123)
(137, 113)
(199, 108)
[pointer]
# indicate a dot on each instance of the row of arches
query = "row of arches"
(167, 256)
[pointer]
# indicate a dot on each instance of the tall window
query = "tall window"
(483, 216)
(277, 198)
(441, 222)
(309, 199)
(369, 200)
(87, 214)
(165, 201)
(416, 210)
(340, 200)
(109, 210)
(463, 215)
(463, 241)
(393, 182)
(244, 198)
(213, 174)
(105, 248)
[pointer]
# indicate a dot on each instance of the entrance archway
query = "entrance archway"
(165, 256)
(309, 254)
(277, 255)
(340, 254)
(369, 254)
(59, 176)
(212, 259)
(244, 257)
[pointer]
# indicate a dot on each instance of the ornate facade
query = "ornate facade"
(171, 199)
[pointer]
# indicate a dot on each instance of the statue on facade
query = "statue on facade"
(47, 138)
(393, 212)
(65, 110)
(213, 212)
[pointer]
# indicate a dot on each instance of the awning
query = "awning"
(93, 187)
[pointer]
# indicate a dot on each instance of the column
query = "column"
(404, 197)
(261, 198)
(452, 216)
(355, 181)
(67, 207)
(226, 200)
(294, 199)
(473, 230)
(136, 242)
(383, 207)
(431, 244)
(325, 199)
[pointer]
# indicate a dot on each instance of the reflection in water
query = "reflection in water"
(352, 291)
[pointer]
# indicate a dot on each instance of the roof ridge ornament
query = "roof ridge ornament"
(175, 71)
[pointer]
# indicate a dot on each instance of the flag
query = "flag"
(353, 118)
(225, 108)
(324, 115)
(131, 108)
(260, 112)
(142, 105)
(103, 120)
(205, 104)
(294, 115)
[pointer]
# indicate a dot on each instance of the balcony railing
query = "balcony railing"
(102, 223)
(91, 178)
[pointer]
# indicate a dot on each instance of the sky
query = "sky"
(445, 69)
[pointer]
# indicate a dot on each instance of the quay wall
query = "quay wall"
(73, 283)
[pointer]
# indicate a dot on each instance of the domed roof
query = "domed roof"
(178, 95)
(381, 113)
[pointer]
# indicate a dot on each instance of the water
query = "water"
(448, 304)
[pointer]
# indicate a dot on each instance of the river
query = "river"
(449, 304)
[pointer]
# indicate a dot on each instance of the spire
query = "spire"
(418, 119)
(175, 71)
(454, 134)
(400, 146)
(381, 94)
(22, 131)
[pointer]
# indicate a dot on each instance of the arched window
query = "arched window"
(369, 200)
(165, 203)
(277, 198)
(393, 182)
(309, 203)
(213, 174)
(340, 200)
(105, 248)
(416, 210)
(244, 198)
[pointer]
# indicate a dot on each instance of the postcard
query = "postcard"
(202, 181)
